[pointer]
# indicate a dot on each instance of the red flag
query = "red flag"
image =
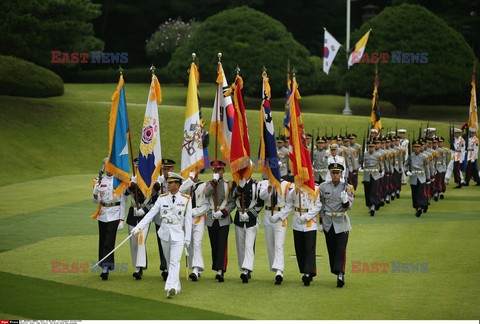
(299, 154)
(240, 163)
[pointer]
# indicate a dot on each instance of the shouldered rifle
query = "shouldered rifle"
(102, 171)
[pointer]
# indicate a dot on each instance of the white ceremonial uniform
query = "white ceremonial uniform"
(199, 215)
(113, 209)
(176, 229)
(275, 225)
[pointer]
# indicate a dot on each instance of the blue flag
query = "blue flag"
(267, 154)
(119, 135)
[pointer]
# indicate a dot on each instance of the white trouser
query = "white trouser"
(275, 239)
(138, 251)
(245, 239)
(195, 257)
(173, 254)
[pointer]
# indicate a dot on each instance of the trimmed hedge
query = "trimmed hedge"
(25, 79)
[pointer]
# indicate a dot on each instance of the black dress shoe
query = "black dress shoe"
(458, 186)
(164, 275)
(104, 275)
(425, 209)
(372, 212)
(278, 279)
(441, 195)
(397, 195)
(340, 281)
(306, 280)
(138, 275)
(435, 198)
(244, 277)
(419, 212)
(249, 274)
(219, 277)
(193, 276)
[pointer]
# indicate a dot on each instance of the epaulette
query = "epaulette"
(352, 189)
(164, 194)
(185, 195)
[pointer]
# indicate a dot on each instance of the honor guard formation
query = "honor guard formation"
(182, 208)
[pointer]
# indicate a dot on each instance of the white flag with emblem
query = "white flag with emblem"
(330, 50)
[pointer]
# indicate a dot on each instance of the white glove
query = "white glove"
(408, 173)
(360, 169)
(242, 183)
(216, 176)
(135, 230)
(275, 217)
(428, 182)
(120, 225)
(96, 189)
(217, 215)
(244, 217)
(344, 197)
(133, 179)
(138, 212)
(320, 227)
(187, 244)
(192, 175)
(161, 179)
(280, 164)
(302, 219)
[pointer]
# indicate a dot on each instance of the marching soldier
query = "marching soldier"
(381, 152)
(110, 216)
(418, 172)
(161, 186)
(304, 227)
(442, 162)
(458, 155)
(404, 144)
(244, 198)
(372, 174)
(355, 150)
(320, 161)
(196, 190)
(282, 152)
(472, 157)
(275, 224)
(335, 198)
(175, 209)
(218, 222)
(335, 158)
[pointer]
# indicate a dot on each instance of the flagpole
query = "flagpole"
(347, 110)
(129, 140)
(219, 87)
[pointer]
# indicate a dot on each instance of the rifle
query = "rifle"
(420, 132)
(362, 152)
(426, 130)
(102, 171)
(346, 130)
(451, 140)
(410, 153)
(396, 129)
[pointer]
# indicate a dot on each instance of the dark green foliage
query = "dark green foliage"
(22, 78)
(250, 39)
(412, 29)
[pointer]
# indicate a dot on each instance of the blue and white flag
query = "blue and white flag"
(150, 155)
(119, 135)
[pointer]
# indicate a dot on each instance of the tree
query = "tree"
(250, 39)
(412, 29)
(32, 29)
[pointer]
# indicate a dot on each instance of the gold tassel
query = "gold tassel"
(95, 216)
(140, 238)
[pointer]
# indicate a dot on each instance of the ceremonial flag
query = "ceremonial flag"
(192, 147)
(375, 115)
(221, 125)
(119, 136)
(286, 120)
(267, 154)
(472, 114)
(357, 53)
(299, 155)
(240, 163)
(150, 150)
(330, 50)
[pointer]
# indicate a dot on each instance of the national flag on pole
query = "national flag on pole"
(357, 53)
(286, 120)
(330, 50)
(150, 149)
(119, 134)
(240, 163)
(299, 154)
(267, 154)
(375, 115)
(222, 120)
(472, 114)
(192, 147)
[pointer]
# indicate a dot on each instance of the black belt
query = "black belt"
(304, 210)
(270, 208)
(111, 204)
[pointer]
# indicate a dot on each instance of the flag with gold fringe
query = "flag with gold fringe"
(240, 163)
(299, 155)
(192, 148)
(119, 135)
(222, 116)
(268, 161)
(375, 114)
(472, 114)
(150, 149)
